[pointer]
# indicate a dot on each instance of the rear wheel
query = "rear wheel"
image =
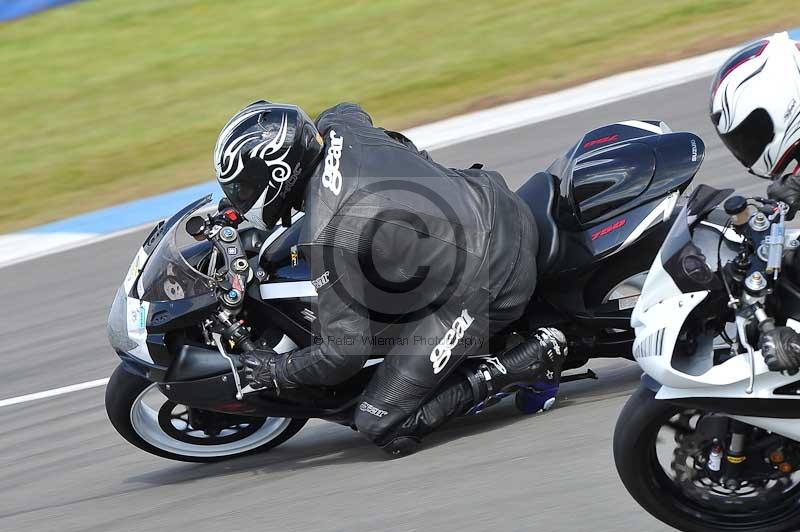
(660, 454)
(147, 419)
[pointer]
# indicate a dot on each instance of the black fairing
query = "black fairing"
(167, 316)
(598, 182)
(608, 180)
(605, 190)
(195, 362)
(293, 315)
(277, 262)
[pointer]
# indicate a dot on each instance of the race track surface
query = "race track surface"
(64, 468)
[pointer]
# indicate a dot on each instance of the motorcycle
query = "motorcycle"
(205, 287)
(710, 441)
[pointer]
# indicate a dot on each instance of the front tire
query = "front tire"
(635, 438)
(159, 431)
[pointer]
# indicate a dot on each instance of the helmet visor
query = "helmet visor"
(748, 140)
(245, 190)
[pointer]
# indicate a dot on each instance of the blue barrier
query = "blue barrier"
(131, 214)
(11, 9)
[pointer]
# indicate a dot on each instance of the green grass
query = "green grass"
(107, 100)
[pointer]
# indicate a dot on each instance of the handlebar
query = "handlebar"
(762, 225)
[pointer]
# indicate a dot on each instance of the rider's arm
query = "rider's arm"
(343, 346)
(343, 113)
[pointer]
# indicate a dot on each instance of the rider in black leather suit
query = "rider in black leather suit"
(411, 259)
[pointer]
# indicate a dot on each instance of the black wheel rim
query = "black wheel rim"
(766, 516)
(177, 421)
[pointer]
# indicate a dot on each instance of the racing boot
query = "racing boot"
(538, 360)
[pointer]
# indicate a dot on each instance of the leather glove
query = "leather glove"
(780, 347)
(259, 369)
(787, 190)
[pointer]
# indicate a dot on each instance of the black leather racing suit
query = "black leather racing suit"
(411, 260)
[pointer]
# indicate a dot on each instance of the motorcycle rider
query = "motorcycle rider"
(395, 242)
(755, 107)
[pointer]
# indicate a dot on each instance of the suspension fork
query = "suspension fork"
(735, 456)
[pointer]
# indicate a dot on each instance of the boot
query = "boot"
(532, 369)
(538, 359)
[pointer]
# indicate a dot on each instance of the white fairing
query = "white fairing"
(658, 317)
(785, 427)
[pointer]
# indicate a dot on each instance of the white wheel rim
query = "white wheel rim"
(144, 419)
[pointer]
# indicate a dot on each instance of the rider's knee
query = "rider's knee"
(378, 426)
(374, 421)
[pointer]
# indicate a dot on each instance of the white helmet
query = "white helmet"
(755, 104)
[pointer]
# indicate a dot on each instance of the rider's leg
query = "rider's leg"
(409, 375)
(537, 359)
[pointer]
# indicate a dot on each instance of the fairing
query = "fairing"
(616, 168)
(684, 276)
(161, 287)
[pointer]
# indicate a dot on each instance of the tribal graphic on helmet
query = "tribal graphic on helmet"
(259, 157)
(231, 158)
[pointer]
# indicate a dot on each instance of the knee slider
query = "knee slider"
(373, 421)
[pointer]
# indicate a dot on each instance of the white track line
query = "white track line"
(476, 125)
(54, 392)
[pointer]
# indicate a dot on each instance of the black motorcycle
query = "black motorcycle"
(205, 287)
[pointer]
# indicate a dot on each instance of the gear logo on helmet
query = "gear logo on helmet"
(261, 156)
(751, 104)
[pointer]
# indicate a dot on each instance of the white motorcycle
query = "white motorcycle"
(711, 439)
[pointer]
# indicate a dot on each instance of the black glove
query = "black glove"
(259, 369)
(787, 190)
(780, 347)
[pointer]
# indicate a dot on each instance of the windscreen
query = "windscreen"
(168, 274)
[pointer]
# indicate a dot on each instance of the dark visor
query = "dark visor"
(245, 189)
(750, 138)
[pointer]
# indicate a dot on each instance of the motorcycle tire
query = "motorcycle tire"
(635, 457)
(147, 429)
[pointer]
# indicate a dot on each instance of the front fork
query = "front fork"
(725, 458)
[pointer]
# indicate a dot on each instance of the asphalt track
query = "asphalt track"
(64, 468)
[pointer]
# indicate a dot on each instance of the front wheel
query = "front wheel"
(147, 419)
(661, 453)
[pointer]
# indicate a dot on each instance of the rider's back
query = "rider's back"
(376, 195)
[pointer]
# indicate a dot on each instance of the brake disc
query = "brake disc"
(696, 482)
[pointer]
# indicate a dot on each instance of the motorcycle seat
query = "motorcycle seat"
(539, 193)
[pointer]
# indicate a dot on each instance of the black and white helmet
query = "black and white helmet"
(263, 159)
(755, 104)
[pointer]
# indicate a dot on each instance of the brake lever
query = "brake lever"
(741, 323)
(218, 340)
